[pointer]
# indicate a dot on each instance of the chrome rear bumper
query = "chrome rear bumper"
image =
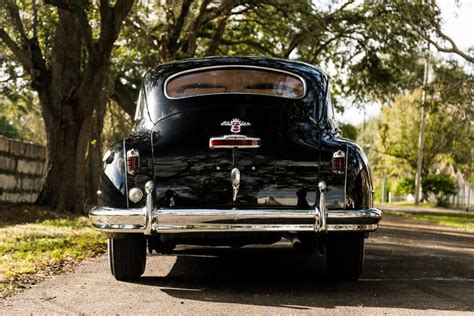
(149, 221)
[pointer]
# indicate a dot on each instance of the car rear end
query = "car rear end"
(234, 153)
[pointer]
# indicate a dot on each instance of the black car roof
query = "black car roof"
(303, 69)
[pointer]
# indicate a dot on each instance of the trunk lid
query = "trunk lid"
(281, 173)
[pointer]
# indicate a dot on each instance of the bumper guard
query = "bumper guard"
(149, 220)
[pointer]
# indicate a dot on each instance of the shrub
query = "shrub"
(406, 186)
(441, 186)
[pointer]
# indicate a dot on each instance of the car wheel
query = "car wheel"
(127, 257)
(345, 257)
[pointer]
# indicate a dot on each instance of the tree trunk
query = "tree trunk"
(94, 152)
(73, 165)
(71, 82)
(60, 188)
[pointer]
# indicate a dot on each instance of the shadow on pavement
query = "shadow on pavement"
(406, 267)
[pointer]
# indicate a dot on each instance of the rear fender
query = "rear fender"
(112, 182)
(359, 190)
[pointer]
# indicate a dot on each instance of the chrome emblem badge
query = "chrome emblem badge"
(235, 124)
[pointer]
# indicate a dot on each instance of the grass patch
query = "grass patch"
(31, 251)
(404, 203)
(463, 221)
(26, 213)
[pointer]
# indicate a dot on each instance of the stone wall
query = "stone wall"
(22, 166)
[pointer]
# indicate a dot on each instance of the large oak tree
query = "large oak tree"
(65, 47)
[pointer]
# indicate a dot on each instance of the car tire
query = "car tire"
(345, 257)
(127, 257)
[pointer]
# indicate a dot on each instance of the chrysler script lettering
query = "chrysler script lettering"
(235, 125)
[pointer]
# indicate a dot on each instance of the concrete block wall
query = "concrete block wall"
(22, 166)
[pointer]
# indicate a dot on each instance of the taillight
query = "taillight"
(234, 141)
(339, 162)
(133, 161)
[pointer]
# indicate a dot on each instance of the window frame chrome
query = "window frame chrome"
(165, 84)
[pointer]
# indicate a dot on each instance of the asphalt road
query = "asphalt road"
(410, 269)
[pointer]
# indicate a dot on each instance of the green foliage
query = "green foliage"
(378, 193)
(380, 162)
(117, 124)
(451, 95)
(19, 105)
(368, 44)
(21, 118)
(391, 140)
(406, 186)
(441, 186)
(379, 190)
(7, 129)
(348, 131)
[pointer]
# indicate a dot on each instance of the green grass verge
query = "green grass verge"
(421, 205)
(463, 221)
(31, 251)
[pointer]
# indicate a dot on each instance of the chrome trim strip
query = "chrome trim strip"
(351, 214)
(321, 222)
(345, 172)
(165, 85)
(235, 137)
(235, 181)
(149, 186)
(125, 172)
(267, 228)
(115, 220)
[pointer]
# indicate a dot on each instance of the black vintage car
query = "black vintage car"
(232, 151)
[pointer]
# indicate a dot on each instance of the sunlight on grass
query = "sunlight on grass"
(43, 248)
(463, 221)
(403, 203)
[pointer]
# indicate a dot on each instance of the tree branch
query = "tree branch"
(125, 96)
(81, 15)
(22, 55)
(297, 39)
(454, 48)
(219, 32)
(86, 31)
(190, 47)
(321, 22)
(251, 43)
(68, 5)
(111, 19)
(35, 18)
(175, 29)
(14, 13)
(224, 9)
(430, 16)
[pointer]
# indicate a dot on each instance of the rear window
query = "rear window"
(245, 80)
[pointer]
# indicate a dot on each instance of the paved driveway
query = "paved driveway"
(410, 269)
